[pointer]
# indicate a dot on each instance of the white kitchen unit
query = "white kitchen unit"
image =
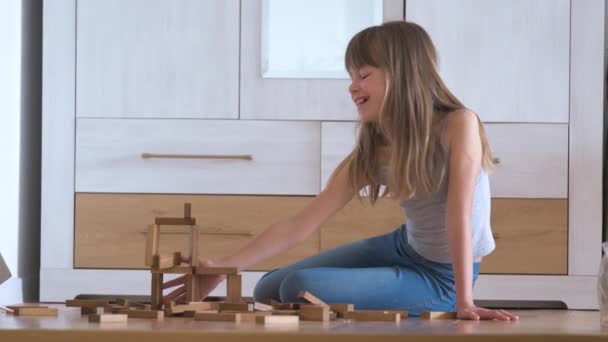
(536, 81)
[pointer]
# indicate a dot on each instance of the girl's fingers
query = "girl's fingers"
(512, 316)
(175, 282)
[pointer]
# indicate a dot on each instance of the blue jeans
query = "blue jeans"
(383, 272)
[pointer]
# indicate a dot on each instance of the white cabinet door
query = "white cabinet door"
(190, 156)
(157, 58)
(508, 60)
(533, 157)
(290, 98)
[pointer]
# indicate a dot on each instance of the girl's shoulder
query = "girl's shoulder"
(457, 123)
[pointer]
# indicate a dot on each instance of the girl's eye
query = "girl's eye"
(364, 76)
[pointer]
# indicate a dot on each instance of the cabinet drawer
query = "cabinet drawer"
(110, 229)
(531, 234)
(285, 156)
(533, 157)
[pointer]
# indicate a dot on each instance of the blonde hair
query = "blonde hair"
(415, 99)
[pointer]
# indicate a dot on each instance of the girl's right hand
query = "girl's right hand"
(207, 283)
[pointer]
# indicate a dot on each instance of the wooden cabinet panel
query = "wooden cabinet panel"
(285, 156)
(530, 234)
(507, 60)
(533, 157)
(110, 228)
(157, 59)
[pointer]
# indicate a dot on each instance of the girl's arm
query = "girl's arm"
(464, 166)
(284, 234)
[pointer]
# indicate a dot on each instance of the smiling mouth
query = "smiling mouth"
(361, 100)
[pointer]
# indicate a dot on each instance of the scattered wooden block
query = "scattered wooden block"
(311, 298)
(234, 286)
(122, 302)
(284, 306)
(277, 320)
(149, 314)
(219, 317)
(194, 235)
(236, 307)
(314, 313)
(114, 309)
(174, 270)
(340, 309)
(216, 270)
(374, 315)
(108, 318)
(257, 306)
(333, 316)
(152, 238)
(190, 291)
(166, 261)
(174, 309)
(34, 311)
(94, 303)
(250, 317)
(438, 315)
(192, 313)
(285, 312)
(175, 221)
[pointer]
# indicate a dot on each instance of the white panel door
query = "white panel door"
(157, 58)
(508, 60)
(290, 98)
(533, 157)
(198, 156)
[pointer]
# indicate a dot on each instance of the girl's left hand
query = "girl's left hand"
(475, 313)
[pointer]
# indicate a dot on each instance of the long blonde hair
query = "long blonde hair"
(415, 98)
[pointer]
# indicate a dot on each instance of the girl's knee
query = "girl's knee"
(267, 287)
(294, 282)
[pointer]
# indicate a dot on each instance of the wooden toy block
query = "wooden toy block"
(187, 210)
(234, 287)
(250, 317)
(157, 291)
(121, 302)
(175, 221)
(108, 318)
(285, 312)
(236, 307)
(174, 270)
(257, 306)
(191, 288)
(277, 320)
(311, 298)
(340, 309)
(86, 310)
(134, 304)
(166, 261)
(204, 305)
(113, 309)
(149, 314)
(438, 315)
(152, 239)
(284, 306)
(194, 235)
(191, 313)
(219, 317)
(216, 270)
(314, 313)
(94, 303)
(333, 316)
(174, 309)
(4, 308)
(374, 315)
(34, 311)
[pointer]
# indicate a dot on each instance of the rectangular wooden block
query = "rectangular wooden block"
(194, 236)
(174, 270)
(277, 320)
(340, 309)
(166, 261)
(216, 270)
(257, 306)
(311, 298)
(121, 302)
(175, 221)
(250, 317)
(314, 313)
(34, 311)
(438, 315)
(284, 306)
(236, 307)
(173, 309)
(156, 296)
(85, 310)
(219, 317)
(192, 313)
(108, 318)
(285, 312)
(152, 238)
(373, 315)
(91, 303)
(187, 210)
(234, 286)
(149, 314)
(114, 309)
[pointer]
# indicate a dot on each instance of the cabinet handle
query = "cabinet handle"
(245, 233)
(196, 156)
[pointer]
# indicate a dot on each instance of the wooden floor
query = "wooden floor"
(544, 325)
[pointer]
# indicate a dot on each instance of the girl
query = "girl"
(431, 153)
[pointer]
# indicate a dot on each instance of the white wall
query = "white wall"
(20, 98)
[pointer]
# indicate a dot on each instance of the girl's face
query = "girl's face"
(367, 88)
